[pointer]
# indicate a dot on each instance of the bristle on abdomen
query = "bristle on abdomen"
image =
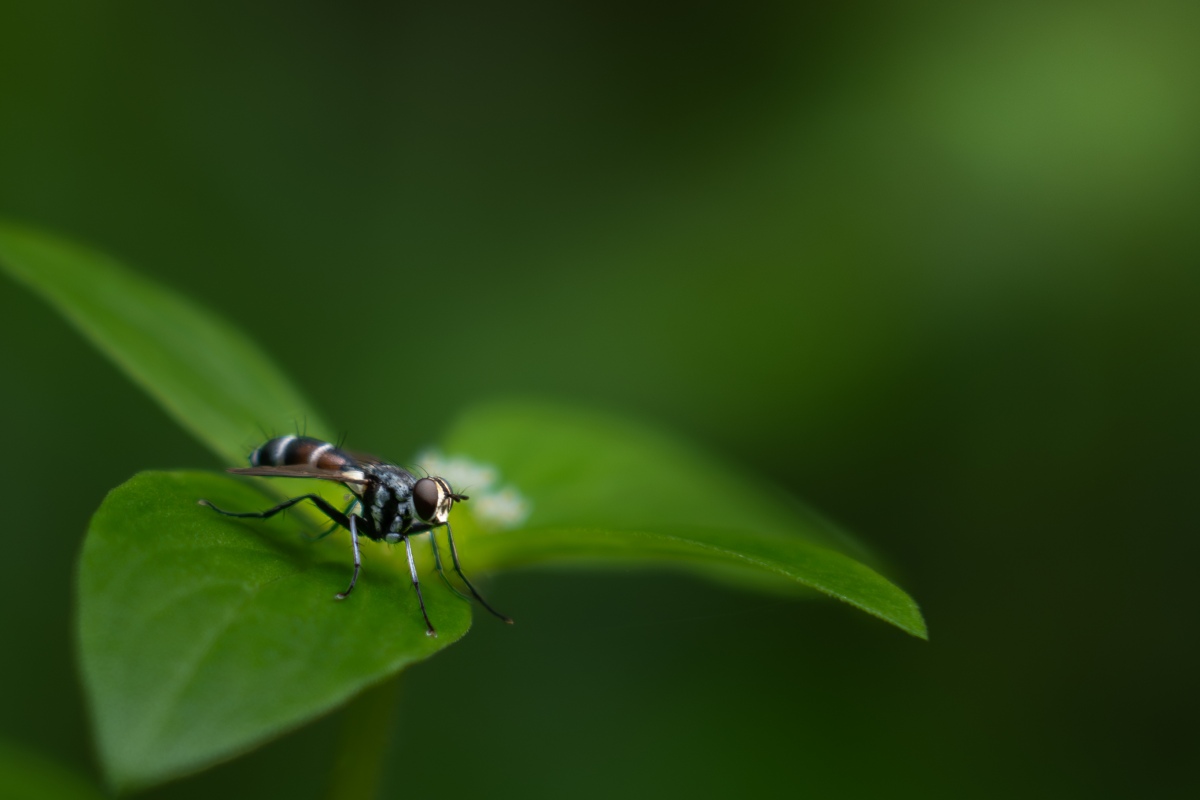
(292, 450)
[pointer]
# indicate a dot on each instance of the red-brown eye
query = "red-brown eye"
(426, 495)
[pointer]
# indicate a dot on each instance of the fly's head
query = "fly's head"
(432, 499)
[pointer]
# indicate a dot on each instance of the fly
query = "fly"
(392, 503)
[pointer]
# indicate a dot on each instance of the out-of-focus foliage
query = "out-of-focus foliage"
(931, 266)
(210, 378)
(26, 774)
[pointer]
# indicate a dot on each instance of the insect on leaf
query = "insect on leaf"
(201, 636)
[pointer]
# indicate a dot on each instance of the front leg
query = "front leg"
(412, 567)
(425, 527)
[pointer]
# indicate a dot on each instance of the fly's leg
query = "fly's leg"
(458, 569)
(412, 567)
(357, 560)
(332, 527)
(338, 518)
(328, 510)
(437, 563)
(322, 534)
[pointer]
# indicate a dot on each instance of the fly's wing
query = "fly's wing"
(383, 465)
(366, 458)
(302, 471)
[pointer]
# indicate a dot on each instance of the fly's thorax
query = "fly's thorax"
(387, 498)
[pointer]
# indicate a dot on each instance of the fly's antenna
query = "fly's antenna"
(461, 494)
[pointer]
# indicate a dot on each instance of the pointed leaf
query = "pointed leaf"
(597, 489)
(213, 380)
(201, 636)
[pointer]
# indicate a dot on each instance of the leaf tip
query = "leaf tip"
(915, 625)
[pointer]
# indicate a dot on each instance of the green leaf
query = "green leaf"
(213, 380)
(201, 636)
(599, 489)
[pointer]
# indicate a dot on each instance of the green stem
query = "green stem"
(366, 731)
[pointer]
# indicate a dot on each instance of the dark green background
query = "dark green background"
(932, 267)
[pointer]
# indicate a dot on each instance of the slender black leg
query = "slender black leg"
(332, 527)
(437, 563)
(458, 569)
(320, 502)
(322, 534)
(357, 560)
(412, 567)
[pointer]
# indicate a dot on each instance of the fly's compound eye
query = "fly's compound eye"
(427, 496)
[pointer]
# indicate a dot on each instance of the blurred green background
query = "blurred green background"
(932, 267)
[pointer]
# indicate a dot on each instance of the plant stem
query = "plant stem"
(363, 743)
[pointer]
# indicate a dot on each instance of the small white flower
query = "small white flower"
(497, 507)
(506, 508)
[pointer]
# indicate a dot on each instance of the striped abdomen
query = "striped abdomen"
(285, 451)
